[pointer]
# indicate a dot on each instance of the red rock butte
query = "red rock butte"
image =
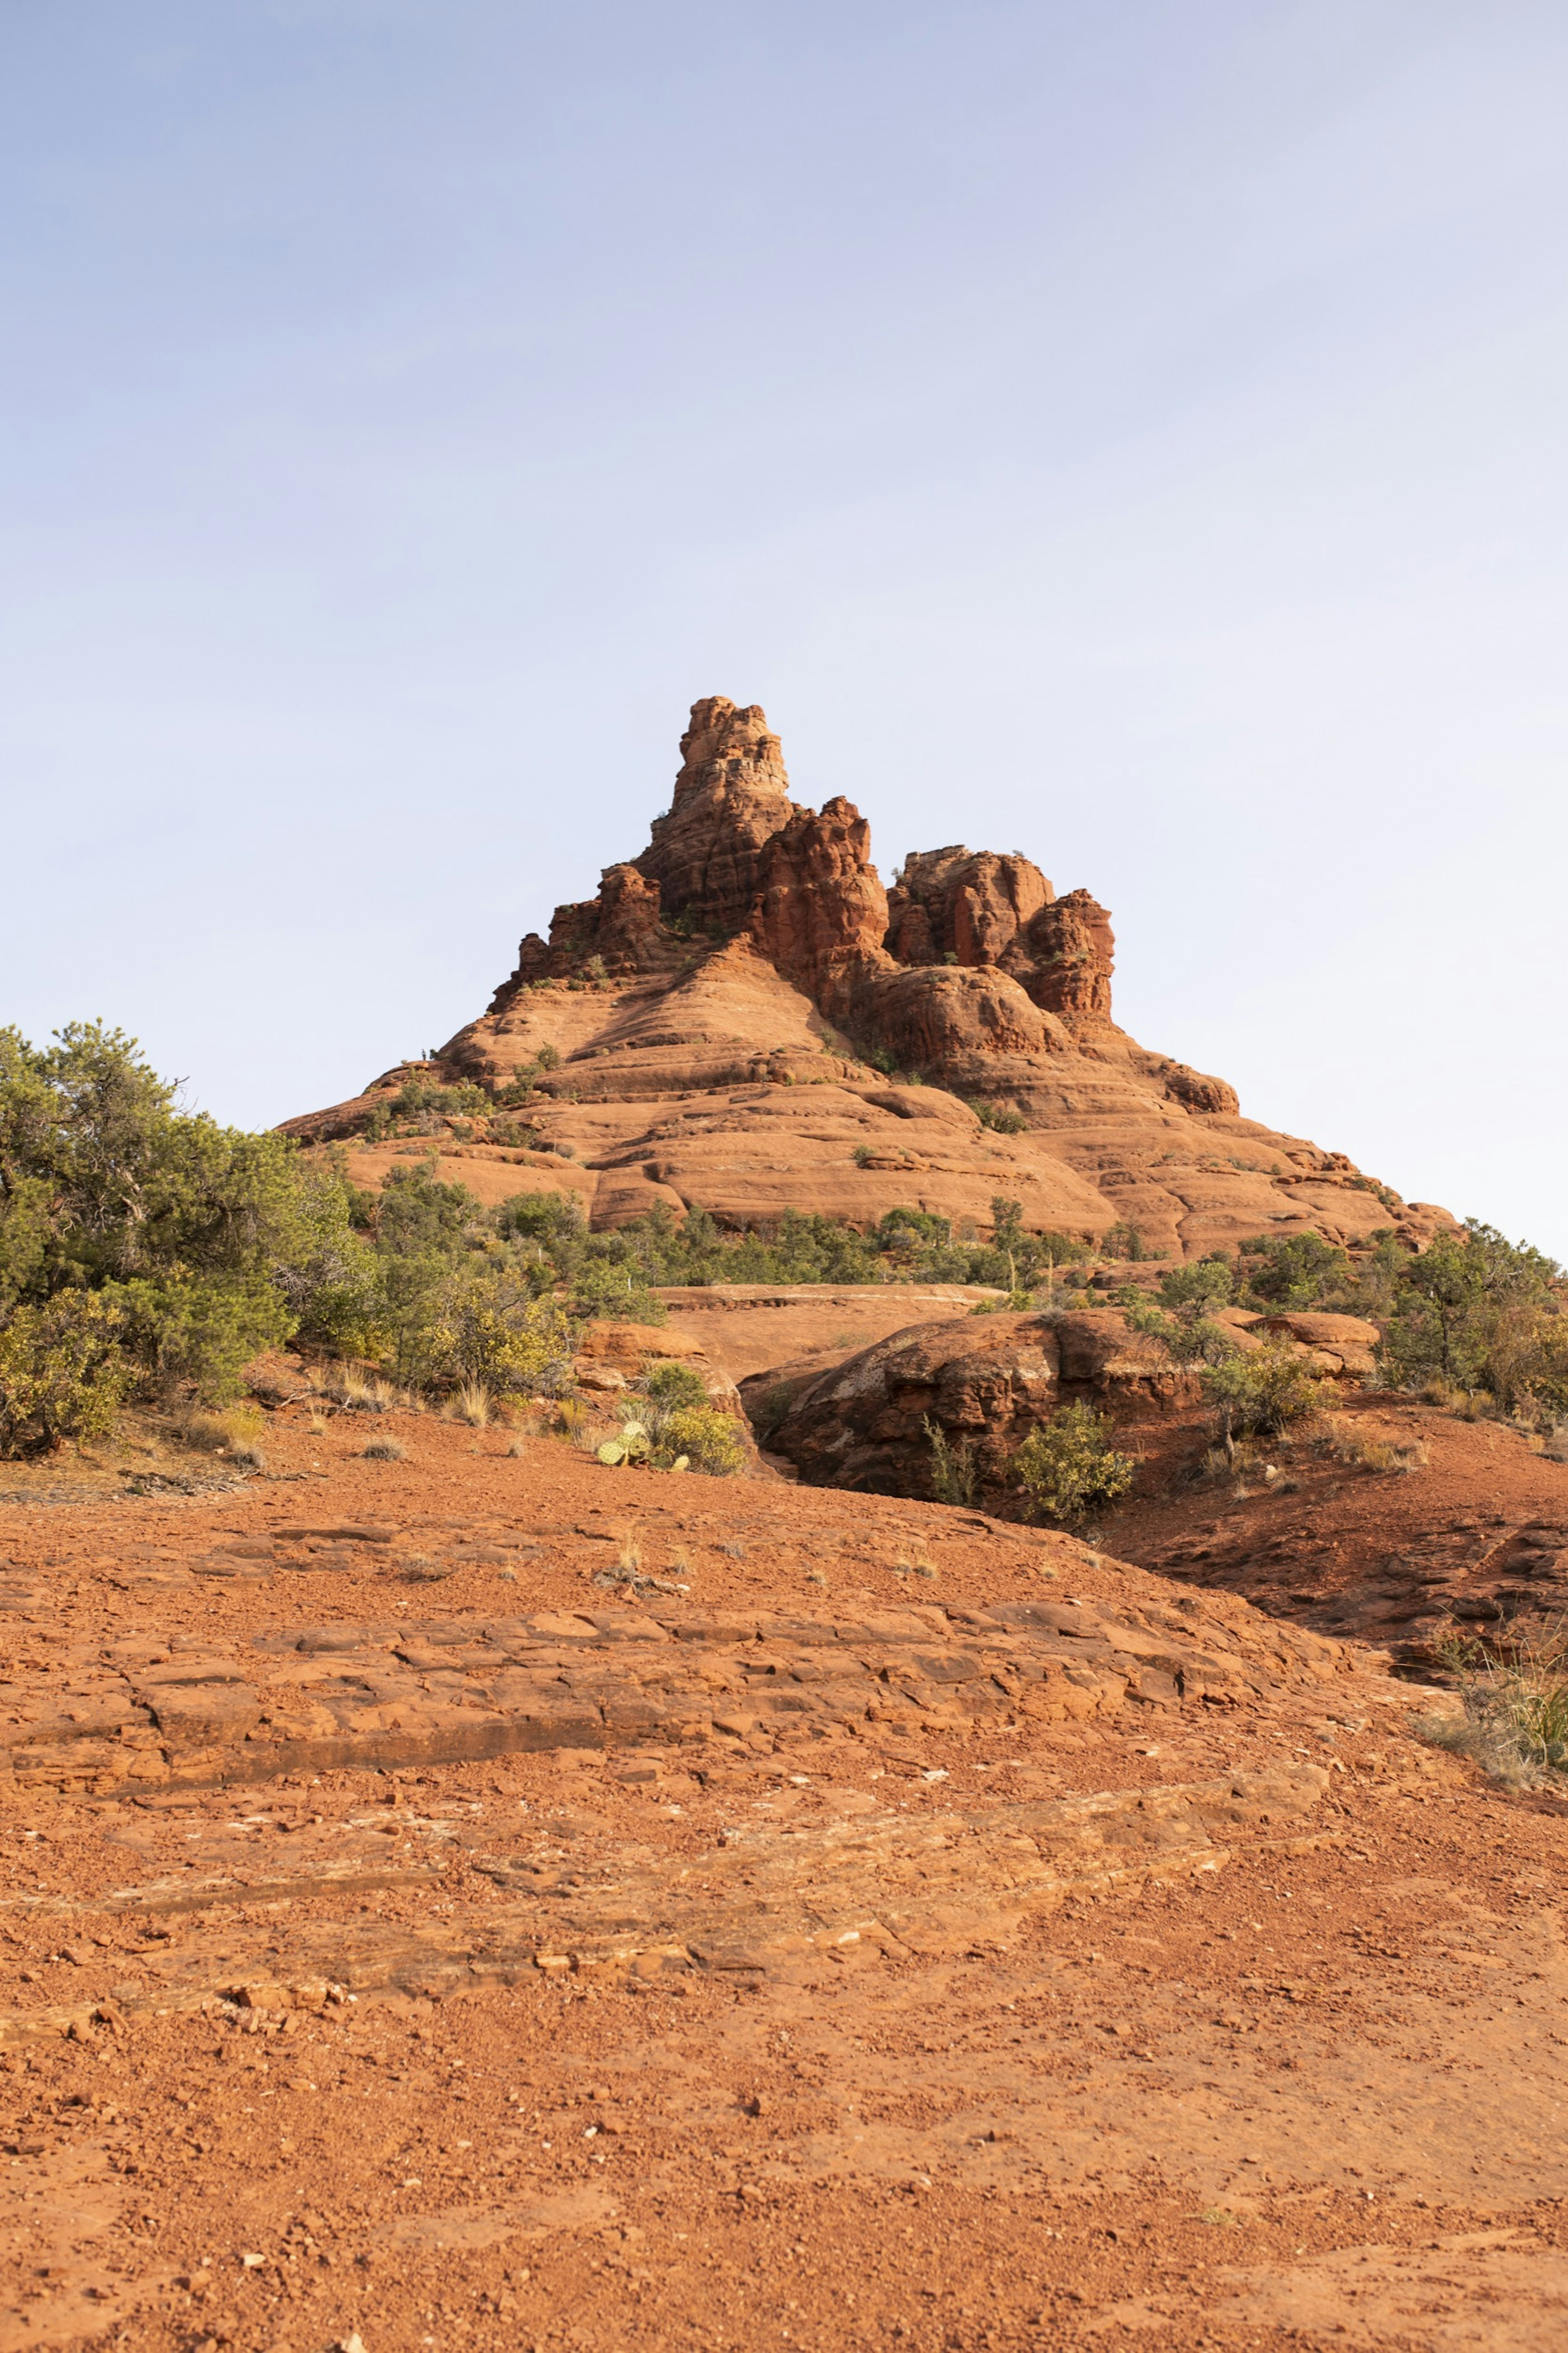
(743, 1020)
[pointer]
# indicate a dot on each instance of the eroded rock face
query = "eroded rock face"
(966, 905)
(620, 929)
(751, 953)
(822, 911)
(971, 908)
(371, 1696)
(730, 797)
(942, 1018)
(983, 1381)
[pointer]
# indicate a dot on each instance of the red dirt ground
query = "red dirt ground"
(1306, 2089)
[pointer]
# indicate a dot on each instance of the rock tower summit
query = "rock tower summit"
(741, 1019)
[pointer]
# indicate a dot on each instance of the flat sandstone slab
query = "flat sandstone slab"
(309, 1699)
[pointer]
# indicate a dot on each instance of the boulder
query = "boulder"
(781, 1330)
(631, 1345)
(983, 1381)
(1343, 1343)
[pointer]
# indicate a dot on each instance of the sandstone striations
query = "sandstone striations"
(664, 1036)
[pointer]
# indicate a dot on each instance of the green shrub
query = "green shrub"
(610, 1273)
(1198, 1287)
(672, 1386)
(617, 1289)
(1263, 1392)
(1124, 1240)
(416, 1097)
(1294, 1269)
(63, 1373)
(1188, 1330)
(1018, 1257)
(490, 1333)
(1068, 1468)
(200, 1335)
(1190, 1338)
(550, 1219)
(1003, 1119)
(710, 1439)
(203, 1244)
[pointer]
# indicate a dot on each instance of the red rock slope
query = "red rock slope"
(745, 1019)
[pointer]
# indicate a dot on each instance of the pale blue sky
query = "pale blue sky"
(1128, 433)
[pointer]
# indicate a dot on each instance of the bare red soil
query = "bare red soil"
(917, 1930)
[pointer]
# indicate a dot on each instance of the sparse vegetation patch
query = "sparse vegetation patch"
(1068, 1468)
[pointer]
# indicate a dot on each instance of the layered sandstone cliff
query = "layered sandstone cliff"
(743, 1019)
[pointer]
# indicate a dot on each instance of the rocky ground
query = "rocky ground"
(1465, 1526)
(1388, 1518)
(489, 1899)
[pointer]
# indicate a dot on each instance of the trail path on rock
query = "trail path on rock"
(408, 1934)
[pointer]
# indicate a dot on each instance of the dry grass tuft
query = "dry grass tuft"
(1347, 1445)
(384, 1449)
(235, 1433)
(472, 1405)
(359, 1391)
(1514, 1723)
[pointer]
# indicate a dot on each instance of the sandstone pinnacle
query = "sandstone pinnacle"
(956, 1033)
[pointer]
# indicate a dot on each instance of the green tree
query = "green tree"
(1200, 1287)
(1294, 1269)
(1477, 1310)
(63, 1373)
(179, 1226)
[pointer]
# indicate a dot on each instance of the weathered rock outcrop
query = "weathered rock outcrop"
(959, 906)
(984, 1382)
(729, 799)
(663, 1033)
(1343, 1345)
(821, 912)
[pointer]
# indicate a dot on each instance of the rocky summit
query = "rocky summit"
(743, 1020)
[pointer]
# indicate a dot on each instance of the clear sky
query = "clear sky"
(1127, 431)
